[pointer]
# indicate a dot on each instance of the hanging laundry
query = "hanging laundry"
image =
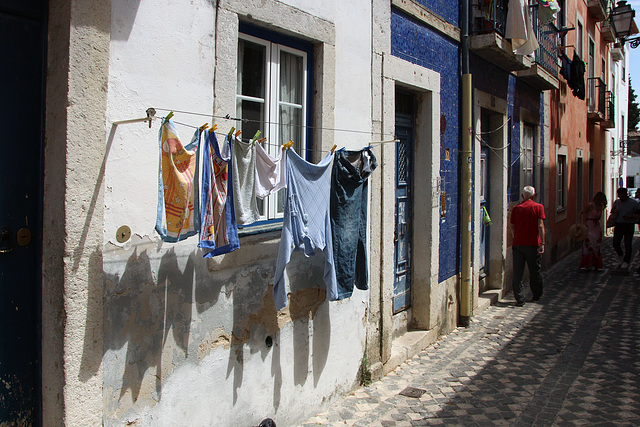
(244, 191)
(547, 11)
(270, 172)
(218, 231)
(519, 28)
(576, 81)
(349, 199)
(306, 225)
(565, 68)
(176, 190)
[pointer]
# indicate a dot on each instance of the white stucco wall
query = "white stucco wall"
(185, 338)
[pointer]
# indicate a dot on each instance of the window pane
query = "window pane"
(290, 119)
(280, 205)
(251, 69)
(291, 78)
(254, 113)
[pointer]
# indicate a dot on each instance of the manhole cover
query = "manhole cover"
(412, 392)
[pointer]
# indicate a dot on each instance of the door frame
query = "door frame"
(404, 125)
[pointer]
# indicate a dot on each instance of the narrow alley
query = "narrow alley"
(569, 359)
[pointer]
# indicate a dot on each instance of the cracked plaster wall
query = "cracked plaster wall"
(189, 341)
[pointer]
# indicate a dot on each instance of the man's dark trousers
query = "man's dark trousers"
(530, 256)
(621, 230)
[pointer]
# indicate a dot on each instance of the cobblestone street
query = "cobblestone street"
(572, 358)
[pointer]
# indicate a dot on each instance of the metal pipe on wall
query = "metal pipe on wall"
(466, 159)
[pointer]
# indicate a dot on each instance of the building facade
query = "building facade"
(117, 326)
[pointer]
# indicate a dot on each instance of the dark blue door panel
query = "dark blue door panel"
(22, 41)
(402, 235)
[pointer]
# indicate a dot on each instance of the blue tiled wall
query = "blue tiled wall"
(447, 9)
(413, 42)
(418, 44)
(491, 79)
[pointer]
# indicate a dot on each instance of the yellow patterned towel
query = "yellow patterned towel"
(177, 195)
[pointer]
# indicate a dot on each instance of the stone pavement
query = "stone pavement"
(572, 358)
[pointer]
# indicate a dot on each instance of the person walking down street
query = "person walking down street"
(625, 210)
(527, 220)
(591, 254)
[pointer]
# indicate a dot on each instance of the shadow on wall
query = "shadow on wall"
(168, 312)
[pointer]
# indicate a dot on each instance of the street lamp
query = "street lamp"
(622, 22)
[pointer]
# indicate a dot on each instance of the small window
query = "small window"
(579, 40)
(527, 160)
(561, 183)
(631, 181)
(272, 95)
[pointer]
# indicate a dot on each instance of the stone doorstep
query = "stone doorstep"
(411, 343)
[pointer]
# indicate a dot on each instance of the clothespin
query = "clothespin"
(333, 148)
(288, 145)
(256, 136)
(261, 140)
(204, 126)
(231, 132)
(238, 133)
(168, 117)
(213, 128)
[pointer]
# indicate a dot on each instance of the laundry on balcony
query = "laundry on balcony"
(547, 11)
(519, 28)
(573, 72)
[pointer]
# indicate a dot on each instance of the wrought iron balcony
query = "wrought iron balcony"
(489, 16)
(488, 24)
(544, 72)
(600, 103)
(609, 116)
(596, 107)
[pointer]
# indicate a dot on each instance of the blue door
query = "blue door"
(403, 214)
(22, 35)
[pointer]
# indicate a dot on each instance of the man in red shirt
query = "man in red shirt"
(527, 219)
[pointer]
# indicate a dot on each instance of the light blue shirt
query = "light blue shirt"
(306, 225)
(628, 207)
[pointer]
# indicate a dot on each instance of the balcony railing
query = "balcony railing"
(489, 16)
(609, 116)
(547, 53)
(596, 97)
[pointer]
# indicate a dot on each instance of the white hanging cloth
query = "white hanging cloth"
(519, 28)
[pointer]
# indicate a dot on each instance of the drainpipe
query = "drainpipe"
(466, 195)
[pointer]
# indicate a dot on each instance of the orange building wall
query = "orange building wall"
(571, 128)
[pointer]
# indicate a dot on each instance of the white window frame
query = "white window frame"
(580, 38)
(272, 105)
(528, 157)
(561, 182)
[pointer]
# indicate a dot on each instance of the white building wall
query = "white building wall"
(186, 339)
(618, 134)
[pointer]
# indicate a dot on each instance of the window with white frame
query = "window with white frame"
(579, 40)
(527, 156)
(561, 182)
(271, 96)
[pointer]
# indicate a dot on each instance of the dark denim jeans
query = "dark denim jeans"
(530, 256)
(623, 231)
(349, 196)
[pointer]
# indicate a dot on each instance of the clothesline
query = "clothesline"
(228, 117)
(153, 117)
